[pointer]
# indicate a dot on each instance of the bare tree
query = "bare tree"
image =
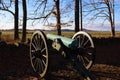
(24, 20)
(5, 6)
(47, 12)
(110, 6)
(103, 9)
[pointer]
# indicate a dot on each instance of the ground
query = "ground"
(15, 63)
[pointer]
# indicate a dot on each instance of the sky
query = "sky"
(7, 20)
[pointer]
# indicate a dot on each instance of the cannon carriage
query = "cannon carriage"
(80, 50)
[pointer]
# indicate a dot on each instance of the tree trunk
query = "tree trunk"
(16, 33)
(24, 20)
(113, 29)
(81, 19)
(111, 18)
(58, 17)
(76, 15)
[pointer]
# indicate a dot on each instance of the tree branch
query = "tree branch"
(7, 11)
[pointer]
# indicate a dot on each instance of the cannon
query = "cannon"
(79, 49)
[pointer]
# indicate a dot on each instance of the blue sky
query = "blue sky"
(6, 19)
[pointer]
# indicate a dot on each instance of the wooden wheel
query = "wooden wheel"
(86, 48)
(39, 53)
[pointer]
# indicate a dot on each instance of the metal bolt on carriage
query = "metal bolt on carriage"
(80, 50)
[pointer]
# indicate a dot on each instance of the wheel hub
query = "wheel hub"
(38, 54)
(81, 51)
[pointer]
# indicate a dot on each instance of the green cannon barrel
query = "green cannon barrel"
(68, 42)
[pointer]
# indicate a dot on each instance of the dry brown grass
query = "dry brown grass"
(9, 35)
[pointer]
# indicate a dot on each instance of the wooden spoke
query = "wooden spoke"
(86, 59)
(82, 59)
(43, 50)
(33, 46)
(85, 43)
(83, 39)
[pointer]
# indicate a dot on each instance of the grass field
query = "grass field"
(9, 35)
